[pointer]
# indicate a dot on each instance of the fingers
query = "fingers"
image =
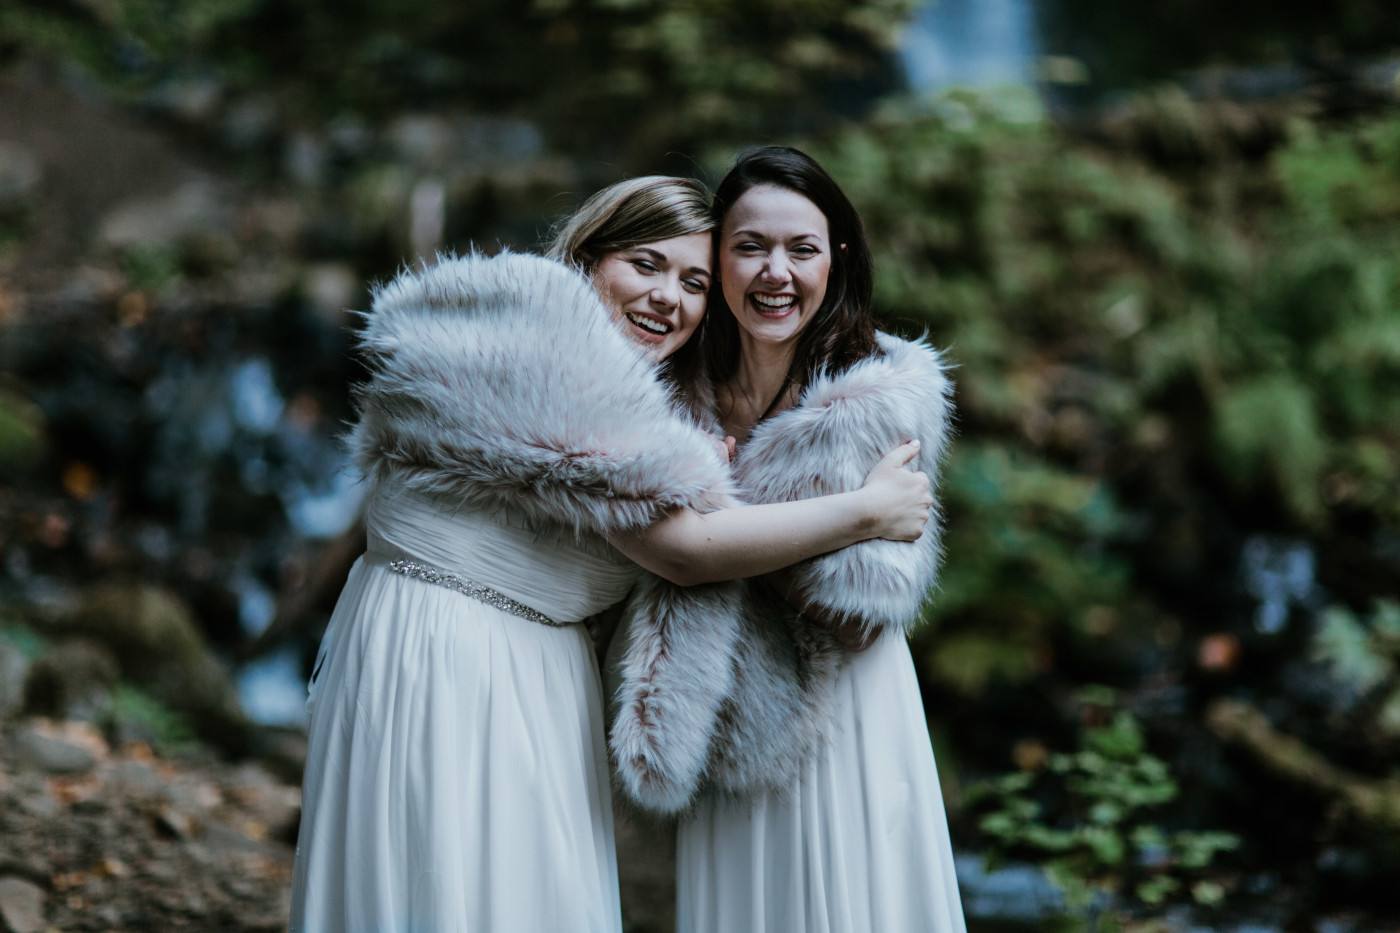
(900, 455)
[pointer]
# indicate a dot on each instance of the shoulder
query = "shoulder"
(474, 285)
(903, 370)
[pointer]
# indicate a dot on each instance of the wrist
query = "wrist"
(868, 516)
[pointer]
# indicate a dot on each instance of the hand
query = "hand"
(726, 449)
(899, 499)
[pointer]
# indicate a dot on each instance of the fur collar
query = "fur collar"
(503, 383)
(785, 667)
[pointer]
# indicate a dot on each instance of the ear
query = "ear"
(843, 247)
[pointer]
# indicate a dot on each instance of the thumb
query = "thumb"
(899, 456)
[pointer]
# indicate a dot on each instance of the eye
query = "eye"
(696, 286)
(748, 248)
(645, 265)
(805, 249)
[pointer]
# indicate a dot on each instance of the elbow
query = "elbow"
(680, 565)
(680, 572)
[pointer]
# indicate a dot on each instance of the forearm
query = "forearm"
(689, 548)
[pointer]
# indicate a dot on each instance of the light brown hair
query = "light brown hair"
(630, 213)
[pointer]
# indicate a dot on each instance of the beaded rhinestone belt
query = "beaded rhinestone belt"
(482, 594)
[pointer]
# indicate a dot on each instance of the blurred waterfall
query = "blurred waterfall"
(970, 43)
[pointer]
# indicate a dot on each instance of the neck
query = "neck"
(760, 385)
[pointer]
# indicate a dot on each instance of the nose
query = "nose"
(667, 293)
(775, 268)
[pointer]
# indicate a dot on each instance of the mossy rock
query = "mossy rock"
(154, 637)
(71, 680)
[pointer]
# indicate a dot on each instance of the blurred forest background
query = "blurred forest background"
(1161, 241)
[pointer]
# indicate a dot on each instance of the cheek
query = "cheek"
(692, 311)
(732, 288)
(817, 282)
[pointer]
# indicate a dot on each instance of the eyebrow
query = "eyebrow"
(758, 235)
(662, 257)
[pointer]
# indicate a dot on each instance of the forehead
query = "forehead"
(775, 211)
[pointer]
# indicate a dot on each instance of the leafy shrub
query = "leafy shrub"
(1099, 836)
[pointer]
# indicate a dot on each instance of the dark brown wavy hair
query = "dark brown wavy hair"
(842, 333)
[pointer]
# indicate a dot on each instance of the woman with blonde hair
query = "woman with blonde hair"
(524, 459)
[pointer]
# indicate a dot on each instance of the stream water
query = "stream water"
(970, 43)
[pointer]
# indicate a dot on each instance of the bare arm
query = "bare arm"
(688, 548)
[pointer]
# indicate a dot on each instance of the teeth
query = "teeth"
(646, 323)
(766, 301)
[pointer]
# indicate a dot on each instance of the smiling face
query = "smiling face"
(775, 259)
(657, 290)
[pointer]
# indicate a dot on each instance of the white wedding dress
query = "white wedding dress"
(859, 844)
(457, 774)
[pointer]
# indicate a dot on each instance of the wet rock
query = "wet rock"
(176, 824)
(421, 140)
(153, 636)
(144, 626)
(249, 122)
(71, 680)
(52, 753)
(283, 751)
(330, 289)
(192, 210)
(305, 159)
(1015, 894)
(19, 177)
(29, 793)
(14, 667)
(272, 804)
(222, 839)
(136, 780)
(194, 100)
(21, 905)
(350, 136)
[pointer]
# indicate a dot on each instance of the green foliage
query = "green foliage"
(133, 712)
(1101, 836)
(21, 636)
(638, 77)
(22, 432)
(1128, 335)
(1365, 655)
(150, 267)
(1271, 424)
(1030, 542)
(109, 37)
(1042, 263)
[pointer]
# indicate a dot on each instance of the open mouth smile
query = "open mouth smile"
(773, 305)
(649, 326)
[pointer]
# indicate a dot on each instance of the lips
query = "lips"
(647, 327)
(773, 305)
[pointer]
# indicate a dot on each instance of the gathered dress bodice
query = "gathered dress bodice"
(565, 576)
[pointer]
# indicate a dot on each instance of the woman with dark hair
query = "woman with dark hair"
(825, 813)
(525, 463)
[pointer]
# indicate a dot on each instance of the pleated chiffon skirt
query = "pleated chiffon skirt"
(858, 844)
(457, 776)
